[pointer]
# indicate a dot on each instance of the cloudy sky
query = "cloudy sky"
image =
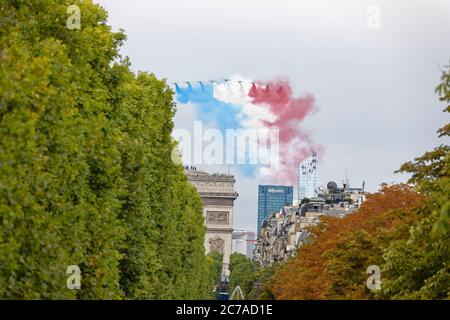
(373, 79)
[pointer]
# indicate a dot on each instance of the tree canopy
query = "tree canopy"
(86, 176)
(334, 264)
(403, 229)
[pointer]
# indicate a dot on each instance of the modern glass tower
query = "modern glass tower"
(307, 179)
(271, 199)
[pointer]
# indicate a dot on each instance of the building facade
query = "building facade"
(335, 195)
(271, 199)
(287, 229)
(218, 195)
(244, 242)
(307, 178)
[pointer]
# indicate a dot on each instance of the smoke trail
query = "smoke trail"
(289, 112)
(243, 104)
(221, 114)
(217, 105)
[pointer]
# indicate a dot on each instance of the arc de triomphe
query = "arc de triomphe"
(218, 195)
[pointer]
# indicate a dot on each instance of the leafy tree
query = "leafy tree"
(242, 273)
(59, 159)
(418, 267)
(403, 228)
(263, 283)
(334, 264)
(86, 176)
(215, 264)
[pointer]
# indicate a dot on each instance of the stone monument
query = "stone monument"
(218, 195)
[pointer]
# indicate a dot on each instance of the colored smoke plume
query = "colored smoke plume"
(243, 103)
(289, 112)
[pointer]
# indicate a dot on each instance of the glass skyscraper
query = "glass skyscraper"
(307, 179)
(272, 199)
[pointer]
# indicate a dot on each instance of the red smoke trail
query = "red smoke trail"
(289, 111)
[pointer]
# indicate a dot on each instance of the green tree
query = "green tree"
(418, 267)
(333, 265)
(263, 284)
(59, 159)
(403, 229)
(215, 264)
(86, 176)
(242, 273)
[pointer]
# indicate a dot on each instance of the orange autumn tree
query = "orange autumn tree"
(333, 265)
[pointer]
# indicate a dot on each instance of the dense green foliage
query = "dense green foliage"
(254, 280)
(242, 273)
(215, 265)
(86, 176)
(263, 285)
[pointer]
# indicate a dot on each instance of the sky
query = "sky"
(372, 67)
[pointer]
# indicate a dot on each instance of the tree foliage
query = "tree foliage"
(418, 267)
(263, 283)
(404, 229)
(86, 176)
(215, 265)
(242, 273)
(334, 264)
(255, 281)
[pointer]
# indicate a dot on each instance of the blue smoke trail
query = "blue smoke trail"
(208, 109)
(212, 111)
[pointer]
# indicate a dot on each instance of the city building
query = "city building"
(334, 195)
(287, 229)
(218, 195)
(271, 199)
(307, 178)
(244, 242)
